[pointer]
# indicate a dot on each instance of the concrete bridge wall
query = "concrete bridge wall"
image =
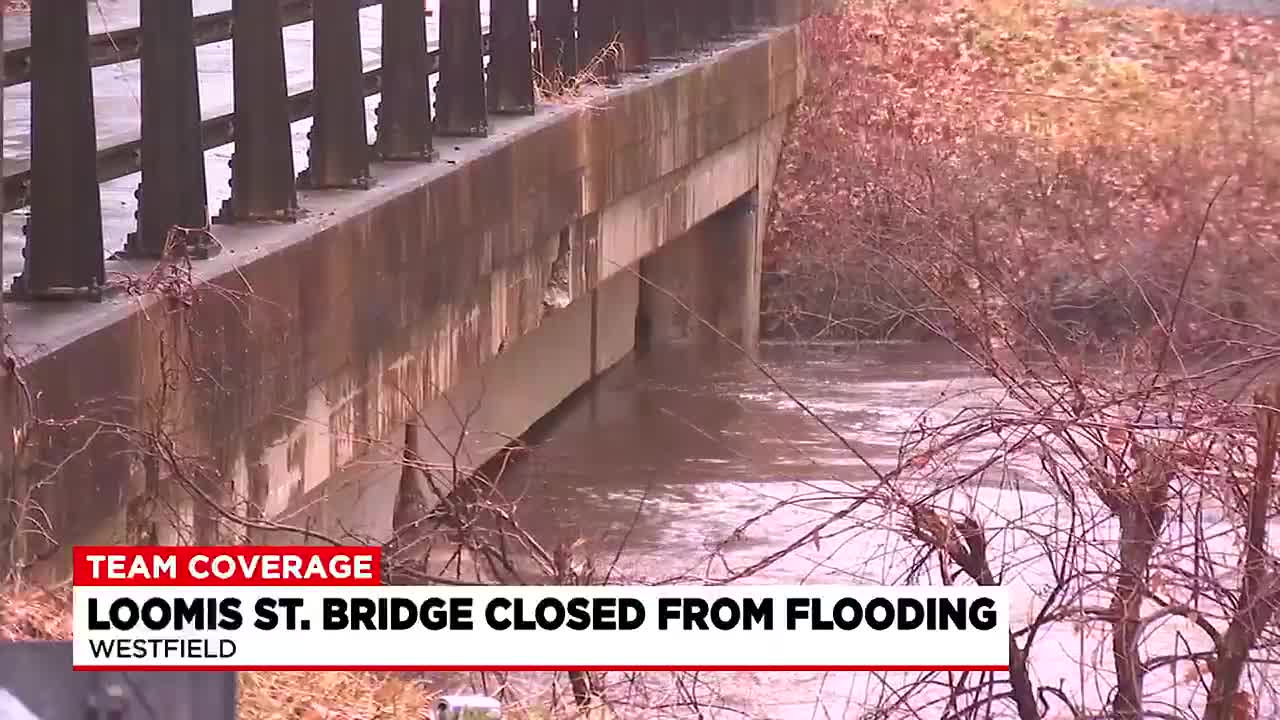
(469, 297)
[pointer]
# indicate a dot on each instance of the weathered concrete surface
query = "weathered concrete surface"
(693, 290)
(285, 369)
(704, 288)
(484, 413)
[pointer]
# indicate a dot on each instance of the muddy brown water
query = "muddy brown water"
(675, 450)
(661, 462)
(680, 467)
(671, 454)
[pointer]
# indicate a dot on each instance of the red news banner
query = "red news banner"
(322, 608)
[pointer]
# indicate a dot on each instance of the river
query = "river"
(677, 467)
(663, 460)
(706, 444)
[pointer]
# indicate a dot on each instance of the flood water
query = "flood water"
(678, 468)
(662, 461)
(706, 444)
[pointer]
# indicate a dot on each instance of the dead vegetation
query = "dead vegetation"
(1065, 150)
(35, 615)
(553, 87)
(331, 696)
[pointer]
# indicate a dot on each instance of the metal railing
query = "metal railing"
(64, 249)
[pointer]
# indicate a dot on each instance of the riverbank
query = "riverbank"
(1040, 163)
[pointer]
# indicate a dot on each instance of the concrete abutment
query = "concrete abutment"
(697, 289)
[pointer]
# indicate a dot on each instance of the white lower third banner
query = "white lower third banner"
(542, 628)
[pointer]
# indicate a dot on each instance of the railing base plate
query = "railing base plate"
(193, 250)
(359, 183)
(18, 292)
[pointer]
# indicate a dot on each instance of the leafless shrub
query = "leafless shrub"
(553, 86)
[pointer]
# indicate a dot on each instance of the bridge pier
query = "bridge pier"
(698, 289)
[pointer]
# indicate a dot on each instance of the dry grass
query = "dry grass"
(35, 615)
(331, 696)
(1073, 75)
(553, 87)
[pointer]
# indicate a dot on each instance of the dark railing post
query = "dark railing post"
(339, 149)
(680, 28)
(720, 18)
(461, 109)
(664, 28)
(173, 196)
(634, 34)
(262, 178)
(597, 35)
(404, 114)
(693, 29)
(557, 41)
(742, 14)
(64, 233)
(765, 11)
(510, 58)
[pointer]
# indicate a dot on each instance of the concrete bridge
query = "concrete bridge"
(440, 289)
